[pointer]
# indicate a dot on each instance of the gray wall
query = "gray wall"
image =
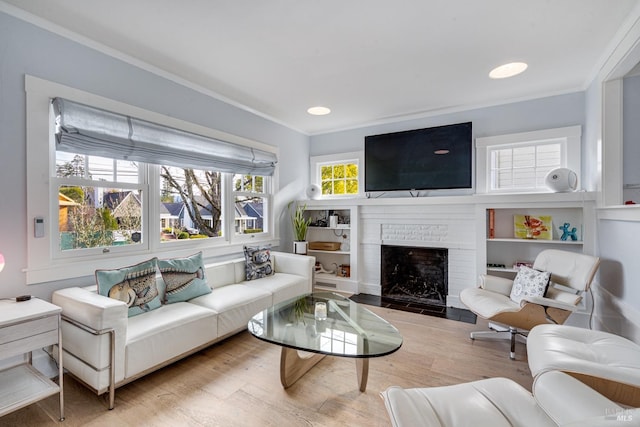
(544, 113)
(27, 49)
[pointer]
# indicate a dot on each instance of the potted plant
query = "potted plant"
(300, 227)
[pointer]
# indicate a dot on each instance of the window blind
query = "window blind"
(83, 129)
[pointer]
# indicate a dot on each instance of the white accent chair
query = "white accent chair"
(571, 276)
(557, 400)
(605, 362)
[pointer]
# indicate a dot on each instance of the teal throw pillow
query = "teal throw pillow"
(184, 278)
(135, 285)
(258, 262)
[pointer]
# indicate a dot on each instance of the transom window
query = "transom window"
(337, 175)
(520, 162)
(339, 179)
(523, 167)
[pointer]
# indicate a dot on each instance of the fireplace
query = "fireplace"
(414, 274)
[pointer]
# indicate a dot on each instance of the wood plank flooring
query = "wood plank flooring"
(237, 383)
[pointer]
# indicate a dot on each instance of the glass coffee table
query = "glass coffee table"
(324, 324)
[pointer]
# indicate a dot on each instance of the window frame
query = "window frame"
(315, 171)
(42, 264)
(570, 147)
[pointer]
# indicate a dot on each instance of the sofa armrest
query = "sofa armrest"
(94, 330)
(496, 284)
(91, 309)
(300, 265)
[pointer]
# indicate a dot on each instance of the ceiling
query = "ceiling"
(368, 60)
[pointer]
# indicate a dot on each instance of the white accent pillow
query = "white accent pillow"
(529, 282)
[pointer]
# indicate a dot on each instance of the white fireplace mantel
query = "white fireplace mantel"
(457, 223)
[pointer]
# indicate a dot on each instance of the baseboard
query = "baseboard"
(613, 315)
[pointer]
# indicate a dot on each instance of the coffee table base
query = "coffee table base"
(293, 367)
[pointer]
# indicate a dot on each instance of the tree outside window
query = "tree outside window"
(339, 179)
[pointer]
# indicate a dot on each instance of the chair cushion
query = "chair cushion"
(493, 402)
(583, 351)
(529, 282)
(487, 304)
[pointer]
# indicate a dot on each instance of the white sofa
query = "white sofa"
(106, 349)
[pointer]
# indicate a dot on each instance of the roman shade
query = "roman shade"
(88, 130)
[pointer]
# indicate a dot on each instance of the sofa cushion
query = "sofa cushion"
(166, 333)
(184, 278)
(135, 285)
(529, 282)
(235, 305)
(258, 262)
(283, 286)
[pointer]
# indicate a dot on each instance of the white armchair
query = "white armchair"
(557, 400)
(571, 276)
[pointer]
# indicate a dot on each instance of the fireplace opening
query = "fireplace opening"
(414, 274)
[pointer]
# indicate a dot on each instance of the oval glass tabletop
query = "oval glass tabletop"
(326, 323)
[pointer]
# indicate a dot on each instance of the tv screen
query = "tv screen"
(435, 158)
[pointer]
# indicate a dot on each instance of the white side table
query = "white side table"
(24, 327)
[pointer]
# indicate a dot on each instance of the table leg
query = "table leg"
(60, 371)
(362, 367)
(292, 366)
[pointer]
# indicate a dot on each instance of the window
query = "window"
(191, 204)
(337, 175)
(105, 207)
(520, 162)
(250, 204)
(99, 202)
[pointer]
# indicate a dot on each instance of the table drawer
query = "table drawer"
(24, 337)
(28, 344)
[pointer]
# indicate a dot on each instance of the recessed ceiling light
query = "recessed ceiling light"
(508, 70)
(441, 151)
(318, 111)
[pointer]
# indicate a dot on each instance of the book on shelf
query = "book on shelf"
(492, 223)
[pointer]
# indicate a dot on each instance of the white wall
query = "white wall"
(631, 137)
(27, 49)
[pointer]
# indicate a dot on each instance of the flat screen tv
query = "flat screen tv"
(436, 158)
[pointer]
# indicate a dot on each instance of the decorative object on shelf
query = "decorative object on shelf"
(313, 191)
(300, 227)
(494, 265)
(530, 227)
(333, 221)
(518, 264)
(344, 270)
(324, 246)
(568, 234)
(561, 180)
(320, 269)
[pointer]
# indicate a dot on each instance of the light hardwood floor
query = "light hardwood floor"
(237, 383)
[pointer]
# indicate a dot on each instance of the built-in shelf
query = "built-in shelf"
(319, 251)
(332, 277)
(542, 241)
(503, 270)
